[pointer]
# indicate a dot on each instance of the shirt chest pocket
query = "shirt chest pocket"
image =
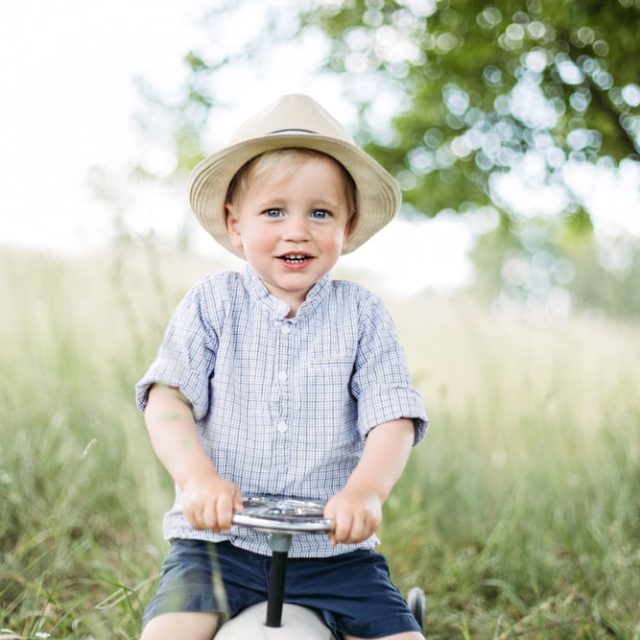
(329, 371)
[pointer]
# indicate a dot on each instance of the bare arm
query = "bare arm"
(357, 509)
(208, 499)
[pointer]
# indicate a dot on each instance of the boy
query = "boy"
(279, 380)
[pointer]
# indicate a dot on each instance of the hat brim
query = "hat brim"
(378, 196)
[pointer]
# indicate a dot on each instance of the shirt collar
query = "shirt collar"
(259, 293)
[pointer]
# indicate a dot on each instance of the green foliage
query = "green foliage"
(483, 86)
(518, 514)
(520, 270)
(468, 104)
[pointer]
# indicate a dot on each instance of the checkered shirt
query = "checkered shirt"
(282, 406)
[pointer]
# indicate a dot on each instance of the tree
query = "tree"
(527, 88)
(466, 103)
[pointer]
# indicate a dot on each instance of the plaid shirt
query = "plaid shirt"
(282, 406)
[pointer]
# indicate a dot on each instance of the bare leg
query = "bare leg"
(409, 635)
(186, 626)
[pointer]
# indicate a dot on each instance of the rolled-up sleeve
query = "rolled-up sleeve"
(187, 355)
(381, 382)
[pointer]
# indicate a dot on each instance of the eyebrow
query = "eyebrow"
(329, 204)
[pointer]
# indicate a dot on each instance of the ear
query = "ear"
(233, 227)
(349, 227)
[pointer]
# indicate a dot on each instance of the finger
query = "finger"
(193, 507)
(329, 511)
(370, 525)
(238, 501)
(224, 511)
(329, 514)
(198, 520)
(343, 522)
(356, 530)
(209, 515)
(190, 516)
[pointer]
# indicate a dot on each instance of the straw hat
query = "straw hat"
(294, 121)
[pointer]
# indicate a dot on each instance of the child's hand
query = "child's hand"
(356, 514)
(209, 502)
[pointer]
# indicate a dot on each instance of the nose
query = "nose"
(297, 229)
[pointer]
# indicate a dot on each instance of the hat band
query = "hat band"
(293, 131)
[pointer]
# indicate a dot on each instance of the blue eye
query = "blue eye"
(273, 213)
(320, 214)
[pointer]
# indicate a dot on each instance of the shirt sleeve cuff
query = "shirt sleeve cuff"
(158, 374)
(383, 404)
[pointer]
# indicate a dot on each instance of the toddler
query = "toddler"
(280, 380)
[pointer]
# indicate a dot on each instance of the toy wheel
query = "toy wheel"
(417, 602)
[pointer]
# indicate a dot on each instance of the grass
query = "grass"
(519, 514)
(526, 489)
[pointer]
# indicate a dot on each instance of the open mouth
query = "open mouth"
(295, 258)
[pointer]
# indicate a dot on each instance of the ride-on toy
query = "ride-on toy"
(273, 620)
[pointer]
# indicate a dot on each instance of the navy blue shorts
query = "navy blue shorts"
(352, 592)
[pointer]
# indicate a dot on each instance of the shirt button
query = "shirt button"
(282, 426)
(285, 328)
(282, 376)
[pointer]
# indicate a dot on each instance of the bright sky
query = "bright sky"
(66, 104)
(66, 99)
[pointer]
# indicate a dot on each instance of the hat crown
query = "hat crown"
(294, 121)
(294, 113)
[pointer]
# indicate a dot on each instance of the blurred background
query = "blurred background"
(513, 274)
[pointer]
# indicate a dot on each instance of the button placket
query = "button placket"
(281, 379)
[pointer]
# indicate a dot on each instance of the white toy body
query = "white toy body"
(298, 623)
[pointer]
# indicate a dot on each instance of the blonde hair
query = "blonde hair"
(288, 158)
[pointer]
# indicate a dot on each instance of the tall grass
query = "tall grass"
(519, 514)
(524, 515)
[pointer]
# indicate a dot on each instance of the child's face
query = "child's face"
(291, 224)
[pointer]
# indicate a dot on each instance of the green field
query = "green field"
(519, 514)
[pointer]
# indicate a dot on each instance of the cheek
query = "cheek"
(258, 241)
(336, 239)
